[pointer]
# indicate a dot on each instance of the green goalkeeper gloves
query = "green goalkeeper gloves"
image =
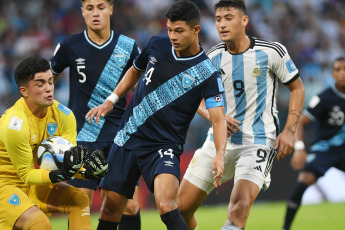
(73, 161)
(94, 167)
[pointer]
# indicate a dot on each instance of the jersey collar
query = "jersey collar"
(187, 58)
(94, 44)
(337, 92)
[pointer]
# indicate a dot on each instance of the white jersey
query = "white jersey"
(250, 80)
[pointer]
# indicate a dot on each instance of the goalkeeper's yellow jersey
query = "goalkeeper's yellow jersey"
(20, 134)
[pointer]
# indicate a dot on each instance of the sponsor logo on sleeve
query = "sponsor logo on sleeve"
(290, 66)
(16, 123)
(64, 109)
(220, 85)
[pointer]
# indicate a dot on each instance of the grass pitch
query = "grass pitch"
(263, 216)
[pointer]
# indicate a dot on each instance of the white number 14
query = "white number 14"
(148, 75)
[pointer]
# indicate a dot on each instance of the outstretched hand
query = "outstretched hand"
(99, 111)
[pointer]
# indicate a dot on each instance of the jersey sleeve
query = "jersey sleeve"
(67, 123)
(283, 66)
(20, 152)
(135, 52)
(212, 87)
(141, 60)
(314, 108)
(59, 61)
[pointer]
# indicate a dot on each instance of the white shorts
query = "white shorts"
(249, 162)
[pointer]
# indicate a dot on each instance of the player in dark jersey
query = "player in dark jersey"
(177, 76)
(98, 58)
(328, 149)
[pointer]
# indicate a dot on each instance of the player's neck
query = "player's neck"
(37, 111)
(238, 45)
(190, 51)
(99, 37)
(341, 89)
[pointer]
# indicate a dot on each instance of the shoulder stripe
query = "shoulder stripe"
(272, 43)
(274, 46)
(219, 46)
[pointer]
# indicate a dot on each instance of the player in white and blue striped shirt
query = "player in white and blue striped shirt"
(250, 70)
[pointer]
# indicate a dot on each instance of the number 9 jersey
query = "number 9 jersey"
(250, 80)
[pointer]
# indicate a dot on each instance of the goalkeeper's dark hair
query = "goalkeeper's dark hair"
(237, 4)
(339, 59)
(111, 2)
(27, 69)
(184, 10)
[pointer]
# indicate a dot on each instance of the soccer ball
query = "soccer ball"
(50, 152)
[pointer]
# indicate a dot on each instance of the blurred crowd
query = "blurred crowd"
(312, 30)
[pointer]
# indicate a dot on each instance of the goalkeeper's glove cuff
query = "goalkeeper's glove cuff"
(56, 176)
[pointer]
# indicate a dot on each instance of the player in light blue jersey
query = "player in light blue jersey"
(328, 149)
(177, 76)
(97, 59)
(250, 70)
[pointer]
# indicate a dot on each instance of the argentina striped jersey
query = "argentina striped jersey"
(250, 80)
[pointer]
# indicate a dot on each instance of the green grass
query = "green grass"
(263, 216)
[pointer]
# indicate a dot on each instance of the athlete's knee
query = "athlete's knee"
(166, 205)
(37, 221)
(79, 199)
(132, 208)
(240, 209)
(307, 178)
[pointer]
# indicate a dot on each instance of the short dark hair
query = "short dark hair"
(238, 4)
(111, 2)
(184, 10)
(27, 69)
(338, 59)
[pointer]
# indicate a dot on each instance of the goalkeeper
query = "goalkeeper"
(28, 195)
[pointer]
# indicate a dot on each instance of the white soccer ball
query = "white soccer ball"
(50, 152)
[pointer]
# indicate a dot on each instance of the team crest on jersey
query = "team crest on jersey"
(51, 128)
(256, 71)
(187, 81)
(120, 59)
(14, 200)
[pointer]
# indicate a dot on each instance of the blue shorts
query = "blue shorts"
(126, 166)
(319, 162)
(91, 146)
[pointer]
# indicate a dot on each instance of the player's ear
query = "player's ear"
(111, 9)
(245, 20)
(197, 29)
(23, 91)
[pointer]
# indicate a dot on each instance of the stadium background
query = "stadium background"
(312, 30)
